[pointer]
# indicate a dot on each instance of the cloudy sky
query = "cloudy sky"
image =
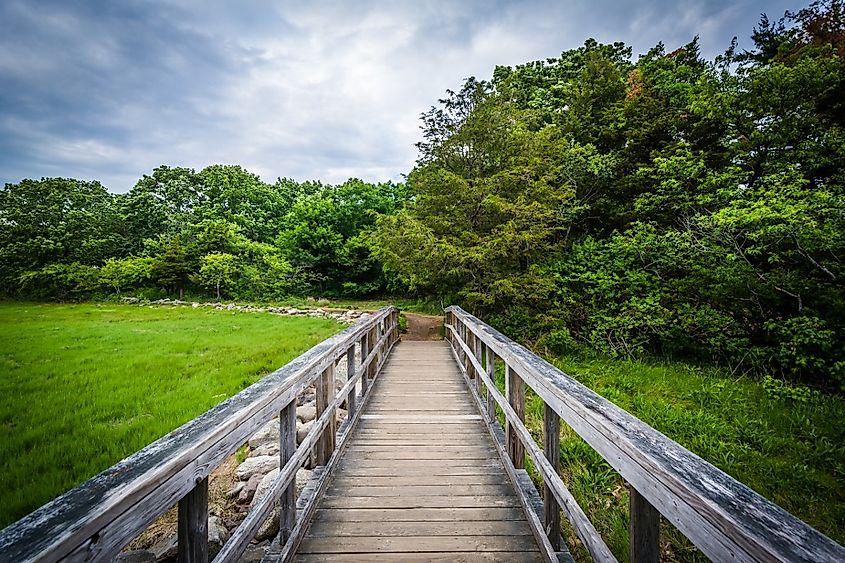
(308, 90)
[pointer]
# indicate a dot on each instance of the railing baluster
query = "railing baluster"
(491, 372)
(350, 372)
(644, 529)
(515, 388)
(287, 448)
(325, 393)
(551, 447)
(192, 527)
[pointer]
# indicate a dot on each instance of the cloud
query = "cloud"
(309, 90)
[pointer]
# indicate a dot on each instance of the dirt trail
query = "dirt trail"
(423, 327)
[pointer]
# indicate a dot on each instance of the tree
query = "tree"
(217, 269)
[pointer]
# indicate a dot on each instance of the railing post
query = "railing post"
(490, 360)
(350, 373)
(192, 527)
(372, 341)
(325, 393)
(287, 448)
(479, 346)
(551, 447)
(515, 390)
(364, 353)
(644, 529)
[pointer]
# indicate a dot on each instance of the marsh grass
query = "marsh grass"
(83, 386)
(786, 443)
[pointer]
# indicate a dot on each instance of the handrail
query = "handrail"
(95, 520)
(721, 516)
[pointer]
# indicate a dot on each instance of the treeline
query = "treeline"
(220, 231)
(673, 206)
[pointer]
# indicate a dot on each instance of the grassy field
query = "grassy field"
(786, 443)
(83, 386)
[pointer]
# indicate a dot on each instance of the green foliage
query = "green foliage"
(669, 205)
(218, 269)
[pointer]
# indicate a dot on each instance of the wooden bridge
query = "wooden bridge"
(420, 470)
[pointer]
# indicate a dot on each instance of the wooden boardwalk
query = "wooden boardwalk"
(420, 479)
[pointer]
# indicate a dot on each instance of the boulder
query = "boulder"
(166, 549)
(217, 536)
(270, 527)
(268, 433)
(302, 431)
(270, 448)
(307, 412)
(252, 465)
(248, 491)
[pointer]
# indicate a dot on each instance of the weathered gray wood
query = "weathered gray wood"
(192, 526)
(644, 530)
(577, 518)
(350, 369)
(308, 504)
(515, 390)
(365, 350)
(426, 557)
(287, 449)
(452, 515)
(722, 517)
(526, 493)
(325, 390)
(95, 520)
(420, 528)
(490, 360)
(419, 474)
(551, 447)
(411, 544)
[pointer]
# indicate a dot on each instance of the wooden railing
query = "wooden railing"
(94, 521)
(725, 519)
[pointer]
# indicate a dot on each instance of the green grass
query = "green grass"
(83, 386)
(788, 446)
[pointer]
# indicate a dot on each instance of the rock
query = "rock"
(307, 412)
(195, 304)
(166, 548)
(263, 487)
(302, 478)
(270, 527)
(217, 536)
(268, 433)
(270, 448)
(249, 490)
(136, 556)
(302, 431)
(252, 465)
(236, 490)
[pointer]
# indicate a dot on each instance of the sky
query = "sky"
(315, 90)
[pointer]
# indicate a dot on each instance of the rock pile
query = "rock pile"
(347, 317)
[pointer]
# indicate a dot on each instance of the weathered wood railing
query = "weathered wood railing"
(94, 521)
(725, 519)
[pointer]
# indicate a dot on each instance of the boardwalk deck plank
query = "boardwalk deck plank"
(420, 479)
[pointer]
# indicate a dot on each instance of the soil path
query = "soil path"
(423, 327)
